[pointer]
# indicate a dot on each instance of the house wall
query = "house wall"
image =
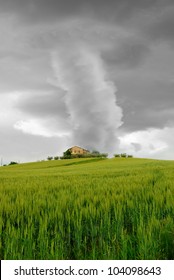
(78, 150)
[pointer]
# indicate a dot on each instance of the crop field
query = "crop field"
(87, 209)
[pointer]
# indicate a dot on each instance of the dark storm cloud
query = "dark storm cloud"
(148, 104)
(144, 118)
(44, 104)
(21, 75)
(154, 19)
(128, 54)
(125, 40)
(161, 28)
(116, 10)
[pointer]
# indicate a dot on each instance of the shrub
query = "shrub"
(104, 155)
(117, 155)
(12, 163)
(124, 155)
(56, 158)
(67, 153)
(49, 158)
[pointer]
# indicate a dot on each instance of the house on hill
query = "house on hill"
(76, 150)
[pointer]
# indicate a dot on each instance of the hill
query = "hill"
(87, 209)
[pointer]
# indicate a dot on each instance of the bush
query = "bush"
(56, 158)
(104, 155)
(67, 153)
(65, 157)
(124, 155)
(95, 152)
(117, 155)
(49, 158)
(12, 163)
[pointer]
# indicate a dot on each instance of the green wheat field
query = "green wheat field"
(120, 208)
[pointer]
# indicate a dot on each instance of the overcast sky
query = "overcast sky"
(99, 74)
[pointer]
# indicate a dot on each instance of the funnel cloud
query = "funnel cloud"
(89, 97)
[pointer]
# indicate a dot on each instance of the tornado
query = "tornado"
(89, 96)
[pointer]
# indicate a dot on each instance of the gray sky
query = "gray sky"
(99, 74)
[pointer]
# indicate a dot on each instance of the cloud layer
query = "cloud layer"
(93, 73)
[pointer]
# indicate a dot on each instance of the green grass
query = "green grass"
(87, 209)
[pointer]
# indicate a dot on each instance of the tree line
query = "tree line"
(68, 155)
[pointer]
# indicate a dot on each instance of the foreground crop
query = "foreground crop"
(87, 209)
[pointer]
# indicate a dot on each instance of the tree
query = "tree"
(49, 158)
(124, 155)
(67, 154)
(95, 152)
(12, 163)
(117, 155)
(104, 155)
(56, 158)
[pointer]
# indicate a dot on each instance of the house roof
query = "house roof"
(78, 147)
